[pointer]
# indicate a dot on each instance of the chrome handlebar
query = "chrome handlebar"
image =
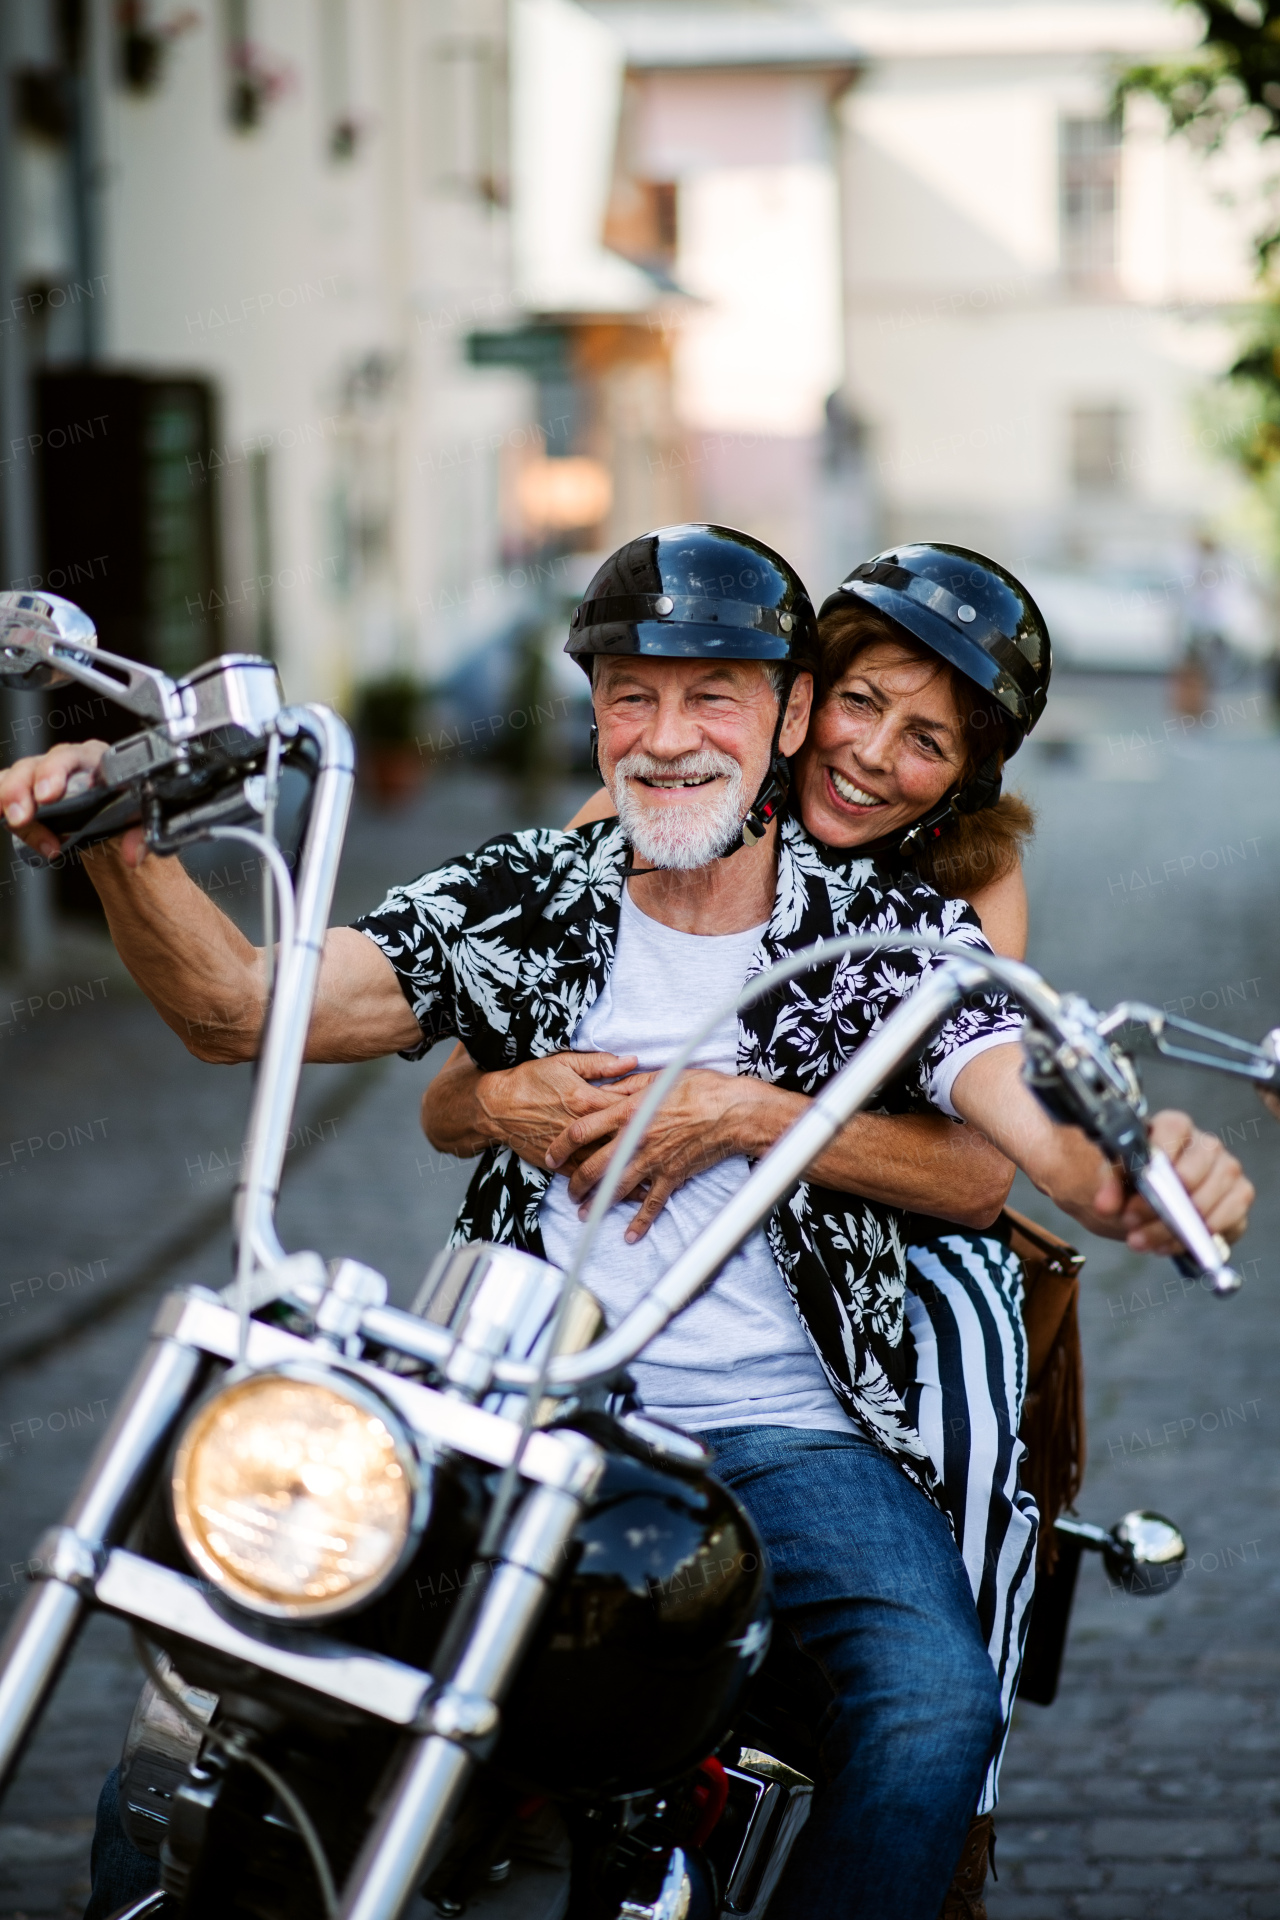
(198, 766)
(1079, 1076)
(1071, 1066)
(201, 766)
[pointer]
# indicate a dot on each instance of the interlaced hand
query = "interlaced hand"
(696, 1127)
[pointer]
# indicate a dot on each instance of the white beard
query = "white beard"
(689, 834)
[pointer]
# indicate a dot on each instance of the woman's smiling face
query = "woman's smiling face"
(882, 749)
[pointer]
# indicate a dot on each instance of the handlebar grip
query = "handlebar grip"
(76, 810)
(84, 819)
(1205, 1256)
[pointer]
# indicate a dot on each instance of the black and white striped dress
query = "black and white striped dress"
(964, 1312)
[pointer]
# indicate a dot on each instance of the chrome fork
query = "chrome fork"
(463, 1718)
(72, 1555)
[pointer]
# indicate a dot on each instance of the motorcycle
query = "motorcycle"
(419, 1609)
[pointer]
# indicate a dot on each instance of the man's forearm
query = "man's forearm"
(204, 978)
(993, 1097)
(922, 1162)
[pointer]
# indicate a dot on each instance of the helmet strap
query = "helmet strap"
(982, 790)
(766, 806)
(775, 786)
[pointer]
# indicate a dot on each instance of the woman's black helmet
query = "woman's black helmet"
(970, 610)
(697, 592)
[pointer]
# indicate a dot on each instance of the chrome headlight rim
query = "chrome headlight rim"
(347, 1385)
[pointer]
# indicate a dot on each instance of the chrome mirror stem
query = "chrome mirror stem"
(284, 1040)
(46, 641)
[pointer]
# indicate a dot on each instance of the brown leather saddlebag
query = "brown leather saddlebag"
(1052, 1427)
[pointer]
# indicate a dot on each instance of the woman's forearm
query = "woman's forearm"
(923, 1162)
(453, 1117)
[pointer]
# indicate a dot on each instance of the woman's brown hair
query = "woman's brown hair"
(975, 848)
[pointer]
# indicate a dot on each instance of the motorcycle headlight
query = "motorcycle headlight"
(298, 1494)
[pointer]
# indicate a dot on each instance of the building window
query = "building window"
(642, 222)
(342, 128)
(1100, 454)
(466, 125)
(1088, 196)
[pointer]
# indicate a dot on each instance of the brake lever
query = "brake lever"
(1082, 1079)
(1259, 1063)
(217, 708)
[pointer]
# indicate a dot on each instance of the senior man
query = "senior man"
(697, 639)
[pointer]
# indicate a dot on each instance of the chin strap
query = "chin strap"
(766, 806)
(774, 788)
(983, 790)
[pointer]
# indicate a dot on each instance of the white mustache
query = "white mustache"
(706, 763)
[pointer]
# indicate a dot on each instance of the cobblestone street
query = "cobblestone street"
(1152, 1786)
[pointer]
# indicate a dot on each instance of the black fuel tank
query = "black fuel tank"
(660, 1622)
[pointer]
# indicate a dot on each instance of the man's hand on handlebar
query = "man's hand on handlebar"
(39, 779)
(1214, 1179)
(990, 1093)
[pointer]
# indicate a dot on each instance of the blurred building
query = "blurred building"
(1040, 292)
(726, 182)
(350, 331)
(250, 241)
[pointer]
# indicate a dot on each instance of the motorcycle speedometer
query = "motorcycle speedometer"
(298, 1492)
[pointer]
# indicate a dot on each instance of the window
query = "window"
(1100, 457)
(342, 128)
(466, 125)
(642, 221)
(1088, 194)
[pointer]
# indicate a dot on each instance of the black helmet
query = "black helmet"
(699, 593)
(970, 610)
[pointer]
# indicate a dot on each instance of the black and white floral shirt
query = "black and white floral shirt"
(506, 948)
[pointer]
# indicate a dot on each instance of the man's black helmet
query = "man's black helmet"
(696, 592)
(971, 611)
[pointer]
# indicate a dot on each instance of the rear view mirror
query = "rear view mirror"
(1146, 1555)
(28, 622)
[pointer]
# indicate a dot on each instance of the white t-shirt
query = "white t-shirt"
(739, 1355)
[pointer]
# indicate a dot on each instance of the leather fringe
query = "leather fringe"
(1053, 1433)
(1053, 1415)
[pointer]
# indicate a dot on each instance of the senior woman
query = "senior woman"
(918, 702)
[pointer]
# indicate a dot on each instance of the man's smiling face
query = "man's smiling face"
(684, 746)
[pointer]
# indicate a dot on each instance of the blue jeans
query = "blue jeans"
(119, 1872)
(870, 1585)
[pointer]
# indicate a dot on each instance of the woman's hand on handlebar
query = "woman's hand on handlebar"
(39, 779)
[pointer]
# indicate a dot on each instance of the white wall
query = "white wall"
(255, 259)
(967, 349)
